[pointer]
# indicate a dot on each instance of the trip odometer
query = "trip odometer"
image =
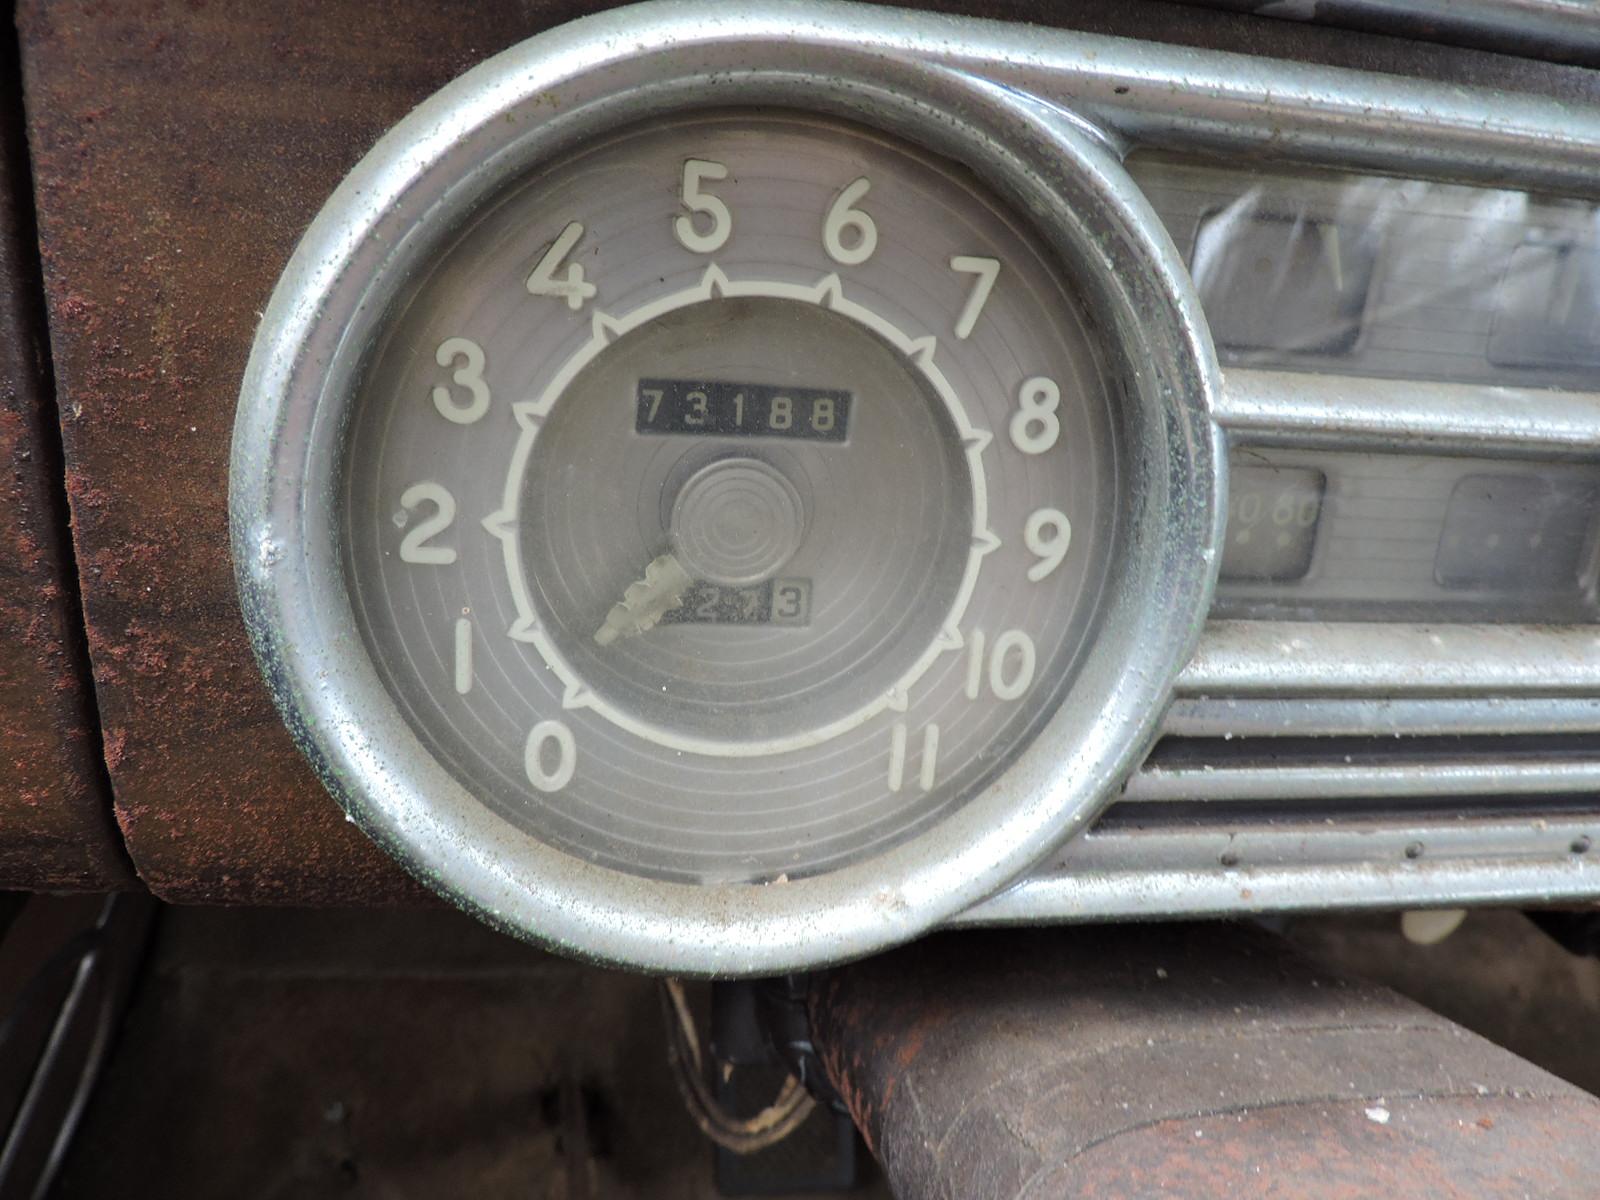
(707, 520)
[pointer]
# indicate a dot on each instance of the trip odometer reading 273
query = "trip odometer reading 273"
(704, 366)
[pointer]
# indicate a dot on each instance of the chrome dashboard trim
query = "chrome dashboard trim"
(1307, 410)
(1304, 658)
(524, 107)
(1560, 30)
(1175, 98)
(1364, 780)
(1231, 716)
(1139, 874)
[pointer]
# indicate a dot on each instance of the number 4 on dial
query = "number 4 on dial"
(574, 288)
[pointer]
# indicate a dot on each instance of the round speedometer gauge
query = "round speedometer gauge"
(724, 528)
(729, 500)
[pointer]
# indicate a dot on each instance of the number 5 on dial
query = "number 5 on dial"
(695, 172)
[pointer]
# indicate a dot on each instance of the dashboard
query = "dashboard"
(726, 495)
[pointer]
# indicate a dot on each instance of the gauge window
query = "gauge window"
(1283, 282)
(1548, 307)
(730, 501)
(1272, 522)
(1329, 535)
(1516, 533)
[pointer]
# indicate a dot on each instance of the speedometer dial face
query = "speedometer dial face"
(729, 500)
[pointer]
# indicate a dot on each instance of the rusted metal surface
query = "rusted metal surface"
(56, 829)
(179, 151)
(1181, 1061)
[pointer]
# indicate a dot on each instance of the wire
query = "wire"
(742, 1135)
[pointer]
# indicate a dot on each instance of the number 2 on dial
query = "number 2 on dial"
(414, 546)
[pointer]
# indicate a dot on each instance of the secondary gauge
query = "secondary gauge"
(725, 528)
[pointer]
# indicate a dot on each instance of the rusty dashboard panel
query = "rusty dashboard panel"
(173, 179)
(180, 153)
(56, 811)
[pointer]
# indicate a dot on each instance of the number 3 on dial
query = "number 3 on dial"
(467, 358)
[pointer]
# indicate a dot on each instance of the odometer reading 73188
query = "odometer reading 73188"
(729, 500)
(742, 410)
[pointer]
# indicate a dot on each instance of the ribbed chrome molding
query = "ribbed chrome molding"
(1266, 679)
(1174, 98)
(1232, 716)
(1292, 678)
(1129, 872)
(1348, 412)
(1557, 30)
(1303, 658)
(1426, 776)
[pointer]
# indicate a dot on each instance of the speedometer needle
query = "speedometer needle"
(646, 601)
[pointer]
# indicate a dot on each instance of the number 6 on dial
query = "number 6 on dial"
(843, 215)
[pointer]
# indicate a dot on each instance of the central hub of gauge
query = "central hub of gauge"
(780, 527)
(736, 522)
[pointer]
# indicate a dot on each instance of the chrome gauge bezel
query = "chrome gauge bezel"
(526, 106)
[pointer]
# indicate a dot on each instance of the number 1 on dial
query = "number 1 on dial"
(463, 672)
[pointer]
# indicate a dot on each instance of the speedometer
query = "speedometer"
(718, 522)
(762, 590)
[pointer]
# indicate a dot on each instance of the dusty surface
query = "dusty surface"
(285, 1053)
(55, 809)
(1191, 1061)
(1496, 974)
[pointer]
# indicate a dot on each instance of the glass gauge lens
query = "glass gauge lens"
(730, 499)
